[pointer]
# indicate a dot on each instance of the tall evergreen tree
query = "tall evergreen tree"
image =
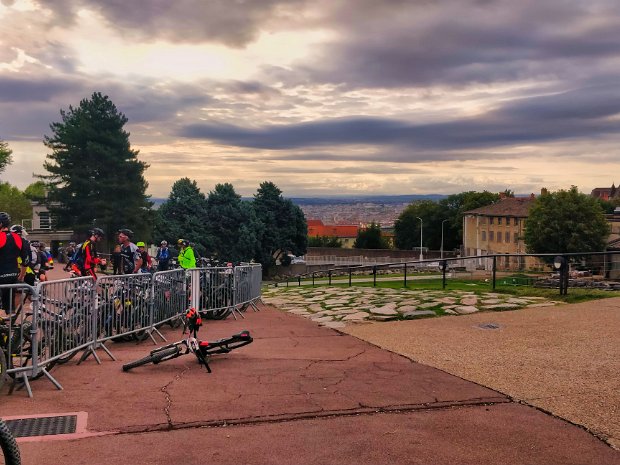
(183, 216)
(285, 228)
(231, 225)
(95, 178)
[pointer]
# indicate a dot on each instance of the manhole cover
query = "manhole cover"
(42, 426)
(488, 326)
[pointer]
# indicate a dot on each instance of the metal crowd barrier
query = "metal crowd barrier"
(52, 323)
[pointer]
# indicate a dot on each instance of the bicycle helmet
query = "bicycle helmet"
(164, 243)
(126, 232)
(140, 244)
(96, 232)
(19, 229)
(5, 219)
(34, 244)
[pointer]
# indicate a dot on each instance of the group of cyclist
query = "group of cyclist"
(129, 257)
(24, 261)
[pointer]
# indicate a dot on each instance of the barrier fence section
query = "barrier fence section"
(53, 322)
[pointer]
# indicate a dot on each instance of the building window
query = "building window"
(45, 220)
(491, 236)
(484, 235)
(499, 220)
(491, 220)
(499, 236)
(516, 222)
(507, 238)
(516, 238)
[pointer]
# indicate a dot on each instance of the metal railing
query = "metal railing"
(56, 320)
(537, 269)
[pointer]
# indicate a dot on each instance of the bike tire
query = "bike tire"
(9, 446)
(219, 314)
(152, 358)
(175, 322)
(142, 335)
(226, 347)
(3, 368)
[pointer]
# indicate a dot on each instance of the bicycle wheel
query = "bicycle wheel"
(3, 368)
(9, 446)
(224, 346)
(155, 358)
(219, 314)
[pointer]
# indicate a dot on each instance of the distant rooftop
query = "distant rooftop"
(509, 206)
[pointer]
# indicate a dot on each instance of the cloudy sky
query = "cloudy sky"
(327, 97)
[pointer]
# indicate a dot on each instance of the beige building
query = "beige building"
(499, 229)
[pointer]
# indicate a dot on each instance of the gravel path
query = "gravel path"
(563, 359)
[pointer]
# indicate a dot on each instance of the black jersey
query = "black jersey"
(12, 247)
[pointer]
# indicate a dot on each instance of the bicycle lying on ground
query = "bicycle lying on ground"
(201, 349)
(8, 445)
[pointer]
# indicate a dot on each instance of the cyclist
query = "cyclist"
(131, 260)
(87, 258)
(11, 248)
(29, 277)
(186, 258)
(146, 258)
(69, 252)
(163, 256)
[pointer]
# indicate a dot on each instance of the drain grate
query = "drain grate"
(42, 426)
(488, 326)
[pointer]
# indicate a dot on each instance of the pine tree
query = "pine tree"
(95, 178)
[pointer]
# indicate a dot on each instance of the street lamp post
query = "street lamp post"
(442, 222)
(421, 224)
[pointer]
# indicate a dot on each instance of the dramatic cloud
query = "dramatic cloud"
(327, 96)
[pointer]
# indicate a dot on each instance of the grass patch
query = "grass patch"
(575, 295)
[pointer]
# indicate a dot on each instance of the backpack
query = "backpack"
(79, 256)
(164, 254)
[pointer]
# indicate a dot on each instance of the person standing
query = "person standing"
(146, 258)
(187, 259)
(87, 253)
(69, 252)
(131, 260)
(163, 256)
(11, 248)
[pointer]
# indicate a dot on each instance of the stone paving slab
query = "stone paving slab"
(366, 303)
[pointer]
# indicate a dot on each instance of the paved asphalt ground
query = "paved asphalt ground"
(299, 394)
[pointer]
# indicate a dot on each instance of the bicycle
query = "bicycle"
(201, 349)
(9, 447)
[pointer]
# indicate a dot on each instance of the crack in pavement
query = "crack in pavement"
(314, 414)
(168, 397)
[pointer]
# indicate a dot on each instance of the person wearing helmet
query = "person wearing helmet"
(131, 260)
(163, 256)
(86, 257)
(30, 276)
(69, 252)
(12, 248)
(146, 258)
(186, 258)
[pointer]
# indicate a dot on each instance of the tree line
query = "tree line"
(94, 178)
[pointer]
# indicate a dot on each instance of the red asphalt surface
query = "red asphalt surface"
(299, 394)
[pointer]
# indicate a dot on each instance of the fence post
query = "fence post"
(494, 269)
(405, 283)
(374, 275)
(349, 277)
(313, 279)
(299, 280)
(329, 276)
(443, 265)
